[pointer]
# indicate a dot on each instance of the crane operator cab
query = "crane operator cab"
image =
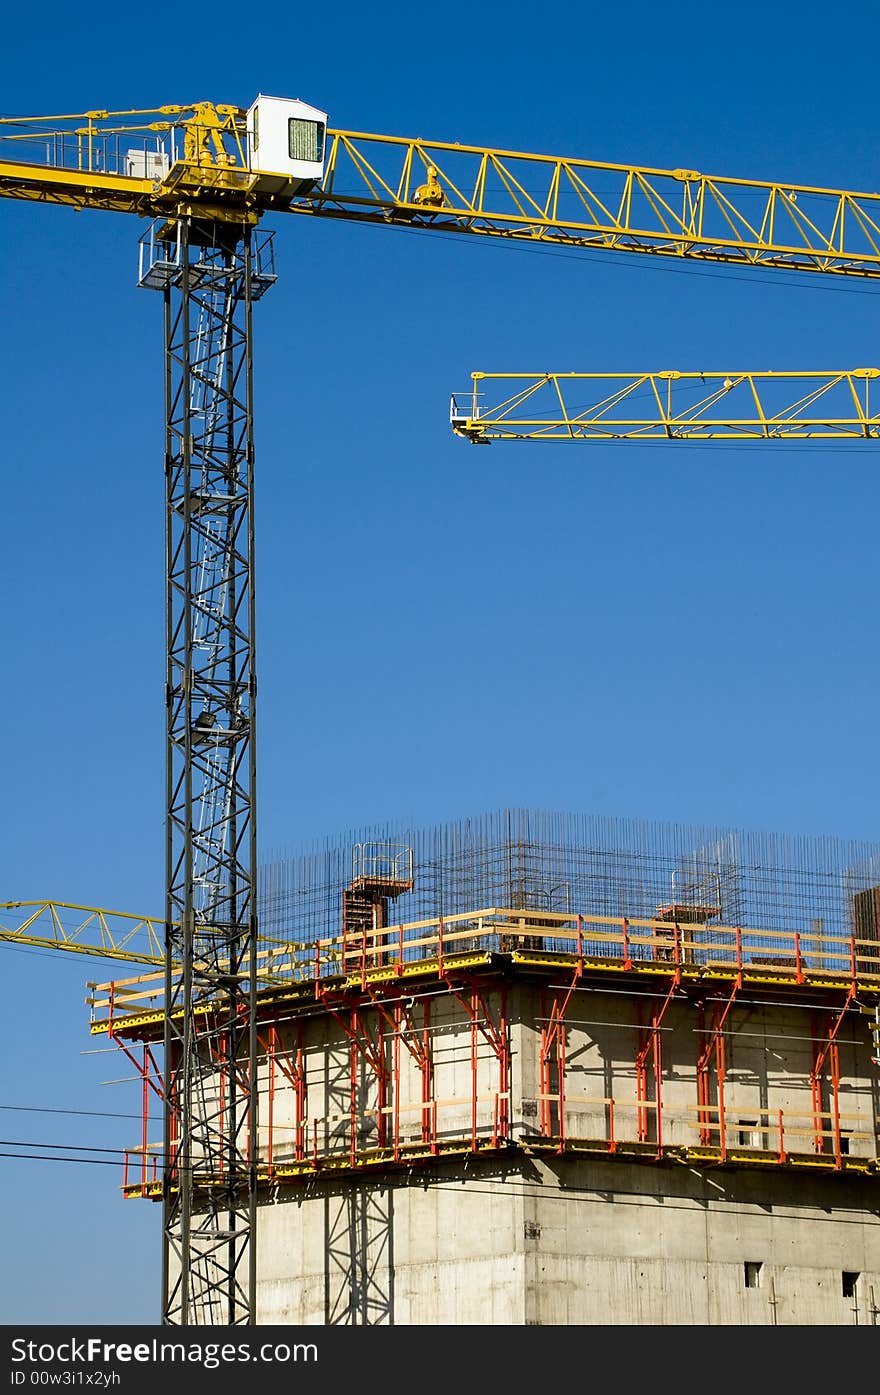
(286, 141)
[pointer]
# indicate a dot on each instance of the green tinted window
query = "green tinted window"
(305, 139)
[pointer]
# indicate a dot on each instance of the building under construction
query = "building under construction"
(534, 1068)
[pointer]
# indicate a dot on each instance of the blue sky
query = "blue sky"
(686, 634)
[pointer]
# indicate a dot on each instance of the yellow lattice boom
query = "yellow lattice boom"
(85, 930)
(201, 168)
(735, 405)
(134, 939)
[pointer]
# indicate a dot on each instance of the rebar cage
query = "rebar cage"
(572, 863)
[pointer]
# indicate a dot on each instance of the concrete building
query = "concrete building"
(590, 1095)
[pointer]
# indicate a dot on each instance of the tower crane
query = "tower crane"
(206, 175)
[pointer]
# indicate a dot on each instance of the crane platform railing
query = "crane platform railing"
(115, 143)
(533, 937)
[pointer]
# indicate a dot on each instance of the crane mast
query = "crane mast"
(193, 174)
(207, 174)
(209, 279)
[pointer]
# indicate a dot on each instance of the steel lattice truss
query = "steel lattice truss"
(447, 187)
(736, 405)
(209, 1195)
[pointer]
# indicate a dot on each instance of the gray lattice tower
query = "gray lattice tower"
(210, 275)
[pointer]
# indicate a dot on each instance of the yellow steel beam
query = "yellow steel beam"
(736, 405)
(224, 198)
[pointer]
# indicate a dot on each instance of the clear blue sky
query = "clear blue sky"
(686, 634)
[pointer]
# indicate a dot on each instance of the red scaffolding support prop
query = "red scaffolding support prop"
(553, 1041)
(401, 1022)
(715, 1047)
(829, 1051)
(278, 1058)
(477, 1010)
(650, 1044)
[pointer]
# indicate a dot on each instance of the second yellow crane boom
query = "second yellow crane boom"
(671, 405)
(86, 930)
(97, 933)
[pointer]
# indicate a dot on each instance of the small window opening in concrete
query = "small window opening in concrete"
(752, 1273)
(850, 1284)
(748, 1138)
(844, 1144)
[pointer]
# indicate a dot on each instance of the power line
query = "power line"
(653, 259)
(81, 1147)
(46, 1109)
(52, 954)
(43, 1157)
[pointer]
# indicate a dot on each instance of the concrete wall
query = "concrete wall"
(574, 1243)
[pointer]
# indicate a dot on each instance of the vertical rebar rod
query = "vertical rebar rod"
(601, 865)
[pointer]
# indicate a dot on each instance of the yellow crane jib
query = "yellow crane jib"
(668, 405)
(88, 930)
(225, 162)
(99, 933)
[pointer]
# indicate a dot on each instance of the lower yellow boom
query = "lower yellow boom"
(83, 930)
(134, 939)
(670, 406)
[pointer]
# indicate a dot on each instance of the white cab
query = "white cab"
(286, 141)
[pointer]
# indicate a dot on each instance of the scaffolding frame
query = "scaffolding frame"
(384, 1013)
